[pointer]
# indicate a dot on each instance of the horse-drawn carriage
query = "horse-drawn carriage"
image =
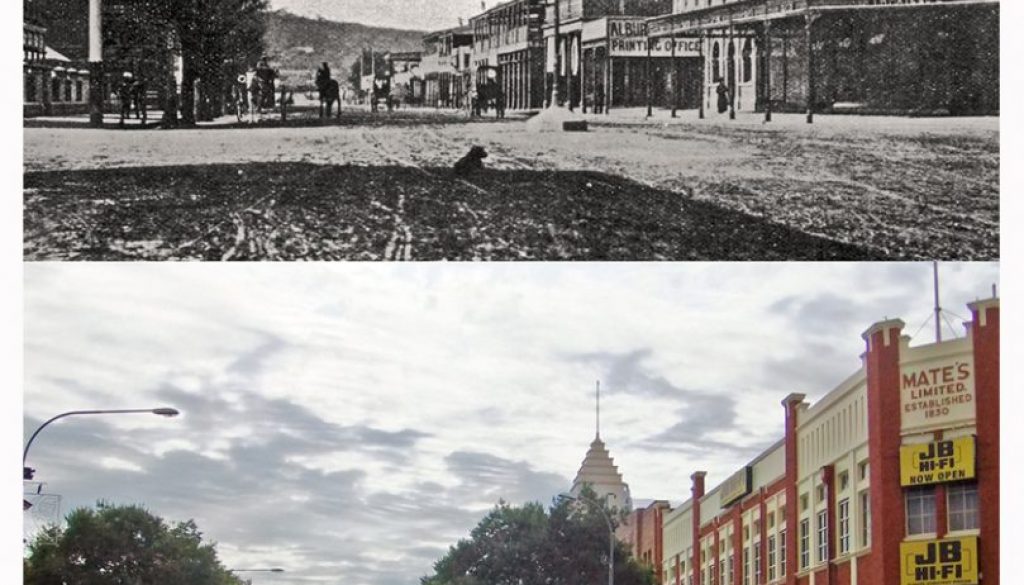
(487, 92)
(254, 91)
(381, 90)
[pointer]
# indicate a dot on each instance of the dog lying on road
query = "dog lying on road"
(473, 161)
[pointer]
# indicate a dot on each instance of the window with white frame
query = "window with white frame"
(746, 566)
(729, 568)
(865, 519)
(822, 529)
(844, 526)
(920, 510)
(721, 571)
(805, 543)
(757, 562)
(782, 553)
(771, 557)
(962, 506)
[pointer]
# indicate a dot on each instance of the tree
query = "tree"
(116, 545)
(217, 39)
(528, 545)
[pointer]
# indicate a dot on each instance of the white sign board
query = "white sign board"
(662, 47)
(937, 393)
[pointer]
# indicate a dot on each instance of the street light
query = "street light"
(163, 411)
(611, 531)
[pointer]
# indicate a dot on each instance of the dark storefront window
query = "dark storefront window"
(747, 67)
(716, 69)
(55, 89)
(30, 88)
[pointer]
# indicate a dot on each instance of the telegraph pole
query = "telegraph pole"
(96, 90)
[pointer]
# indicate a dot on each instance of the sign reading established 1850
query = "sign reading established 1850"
(937, 393)
(953, 561)
(938, 462)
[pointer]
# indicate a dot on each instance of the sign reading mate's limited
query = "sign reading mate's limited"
(937, 393)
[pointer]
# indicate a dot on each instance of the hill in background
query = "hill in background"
(297, 44)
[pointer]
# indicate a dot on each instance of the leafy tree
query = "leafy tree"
(528, 545)
(118, 545)
(217, 39)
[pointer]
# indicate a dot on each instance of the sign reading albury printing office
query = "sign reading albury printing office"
(938, 462)
(628, 38)
(938, 392)
(952, 561)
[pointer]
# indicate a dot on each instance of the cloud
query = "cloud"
(488, 478)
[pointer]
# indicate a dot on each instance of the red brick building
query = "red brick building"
(892, 478)
(642, 531)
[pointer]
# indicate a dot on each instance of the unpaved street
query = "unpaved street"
(381, 188)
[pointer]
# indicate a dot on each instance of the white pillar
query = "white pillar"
(95, 31)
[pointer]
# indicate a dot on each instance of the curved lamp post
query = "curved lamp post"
(164, 411)
(611, 532)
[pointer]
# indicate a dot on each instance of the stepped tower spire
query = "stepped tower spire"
(598, 469)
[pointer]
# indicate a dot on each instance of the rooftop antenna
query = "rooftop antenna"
(938, 309)
(599, 409)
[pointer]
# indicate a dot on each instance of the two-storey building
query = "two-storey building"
(891, 478)
(598, 57)
(509, 37)
(446, 67)
(869, 56)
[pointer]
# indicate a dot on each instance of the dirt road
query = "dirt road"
(380, 188)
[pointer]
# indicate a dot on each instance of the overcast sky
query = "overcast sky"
(349, 422)
(407, 14)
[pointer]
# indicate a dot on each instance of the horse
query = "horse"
(330, 93)
(139, 100)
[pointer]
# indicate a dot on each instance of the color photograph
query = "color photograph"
(665, 424)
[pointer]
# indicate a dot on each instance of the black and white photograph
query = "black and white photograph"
(516, 130)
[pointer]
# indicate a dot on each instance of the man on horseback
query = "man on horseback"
(330, 92)
(323, 74)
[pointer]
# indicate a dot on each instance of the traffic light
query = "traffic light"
(28, 473)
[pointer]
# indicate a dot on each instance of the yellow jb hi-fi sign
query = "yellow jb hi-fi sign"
(938, 462)
(952, 561)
